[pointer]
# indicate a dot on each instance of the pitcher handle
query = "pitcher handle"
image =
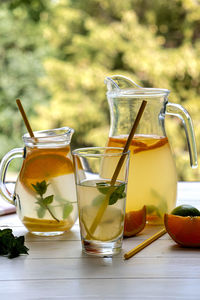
(180, 112)
(14, 153)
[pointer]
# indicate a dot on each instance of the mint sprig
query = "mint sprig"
(117, 192)
(41, 188)
(10, 245)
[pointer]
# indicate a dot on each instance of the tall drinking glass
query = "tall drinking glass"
(101, 201)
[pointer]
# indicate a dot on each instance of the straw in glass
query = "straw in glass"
(105, 203)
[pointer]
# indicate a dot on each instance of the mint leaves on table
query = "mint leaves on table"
(117, 192)
(10, 245)
(41, 188)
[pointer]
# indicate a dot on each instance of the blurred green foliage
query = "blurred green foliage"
(56, 54)
(22, 49)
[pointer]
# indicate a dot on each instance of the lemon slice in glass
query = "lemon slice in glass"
(110, 226)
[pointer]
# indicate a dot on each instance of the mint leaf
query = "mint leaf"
(117, 194)
(103, 187)
(68, 207)
(152, 209)
(6, 237)
(120, 189)
(41, 212)
(6, 232)
(11, 245)
(47, 200)
(40, 187)
(123, 195)
(18, 247)
(44, 202)
(113, 199)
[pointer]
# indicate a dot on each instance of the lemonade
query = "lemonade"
(92, 195)
(152, 177)
(101, 192)
(45, 191)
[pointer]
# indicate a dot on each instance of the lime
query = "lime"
(186, 210)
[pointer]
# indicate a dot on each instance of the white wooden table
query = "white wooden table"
(56, 268)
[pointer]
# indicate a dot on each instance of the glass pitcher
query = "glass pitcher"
(152, 174)
(44, 194)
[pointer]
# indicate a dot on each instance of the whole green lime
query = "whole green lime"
(186, 210)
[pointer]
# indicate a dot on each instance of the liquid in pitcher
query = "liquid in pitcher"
(152, 177)
(45, 191)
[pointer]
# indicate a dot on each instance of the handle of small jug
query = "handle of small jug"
(15, 153)
(180, 112)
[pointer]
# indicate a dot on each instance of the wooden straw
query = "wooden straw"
(24, 118)
(144, 244)
(128, 142)
(104, 204)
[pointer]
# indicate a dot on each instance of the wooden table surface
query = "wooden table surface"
(56, 268)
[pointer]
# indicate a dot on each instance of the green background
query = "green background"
(54, 56)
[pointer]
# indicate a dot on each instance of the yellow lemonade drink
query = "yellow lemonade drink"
(92, 194)
(152, 179)
(45, 191)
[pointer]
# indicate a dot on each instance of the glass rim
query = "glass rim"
(138, 93)
(89, 152)
(43, 134)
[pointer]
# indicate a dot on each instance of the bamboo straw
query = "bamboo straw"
(117, 170)
(128, 142)
(144, 244)
(25, 118)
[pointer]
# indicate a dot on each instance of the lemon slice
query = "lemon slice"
(45, 225)
(110, 227)
(43, 164)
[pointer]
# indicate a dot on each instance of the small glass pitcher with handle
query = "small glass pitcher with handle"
(152, 177)
(45, 193)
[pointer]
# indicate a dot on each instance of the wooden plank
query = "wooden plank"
(57, 268)
(163, 248)
(22, 268)
(10, 221)
(101, 289)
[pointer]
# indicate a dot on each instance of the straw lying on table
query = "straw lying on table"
(144, 244)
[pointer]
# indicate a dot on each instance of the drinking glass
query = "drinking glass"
(101, 198)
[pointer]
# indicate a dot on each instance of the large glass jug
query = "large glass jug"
(152, 173)
(44, 195)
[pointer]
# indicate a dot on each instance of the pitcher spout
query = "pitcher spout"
(119, 82)
(119, 85)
